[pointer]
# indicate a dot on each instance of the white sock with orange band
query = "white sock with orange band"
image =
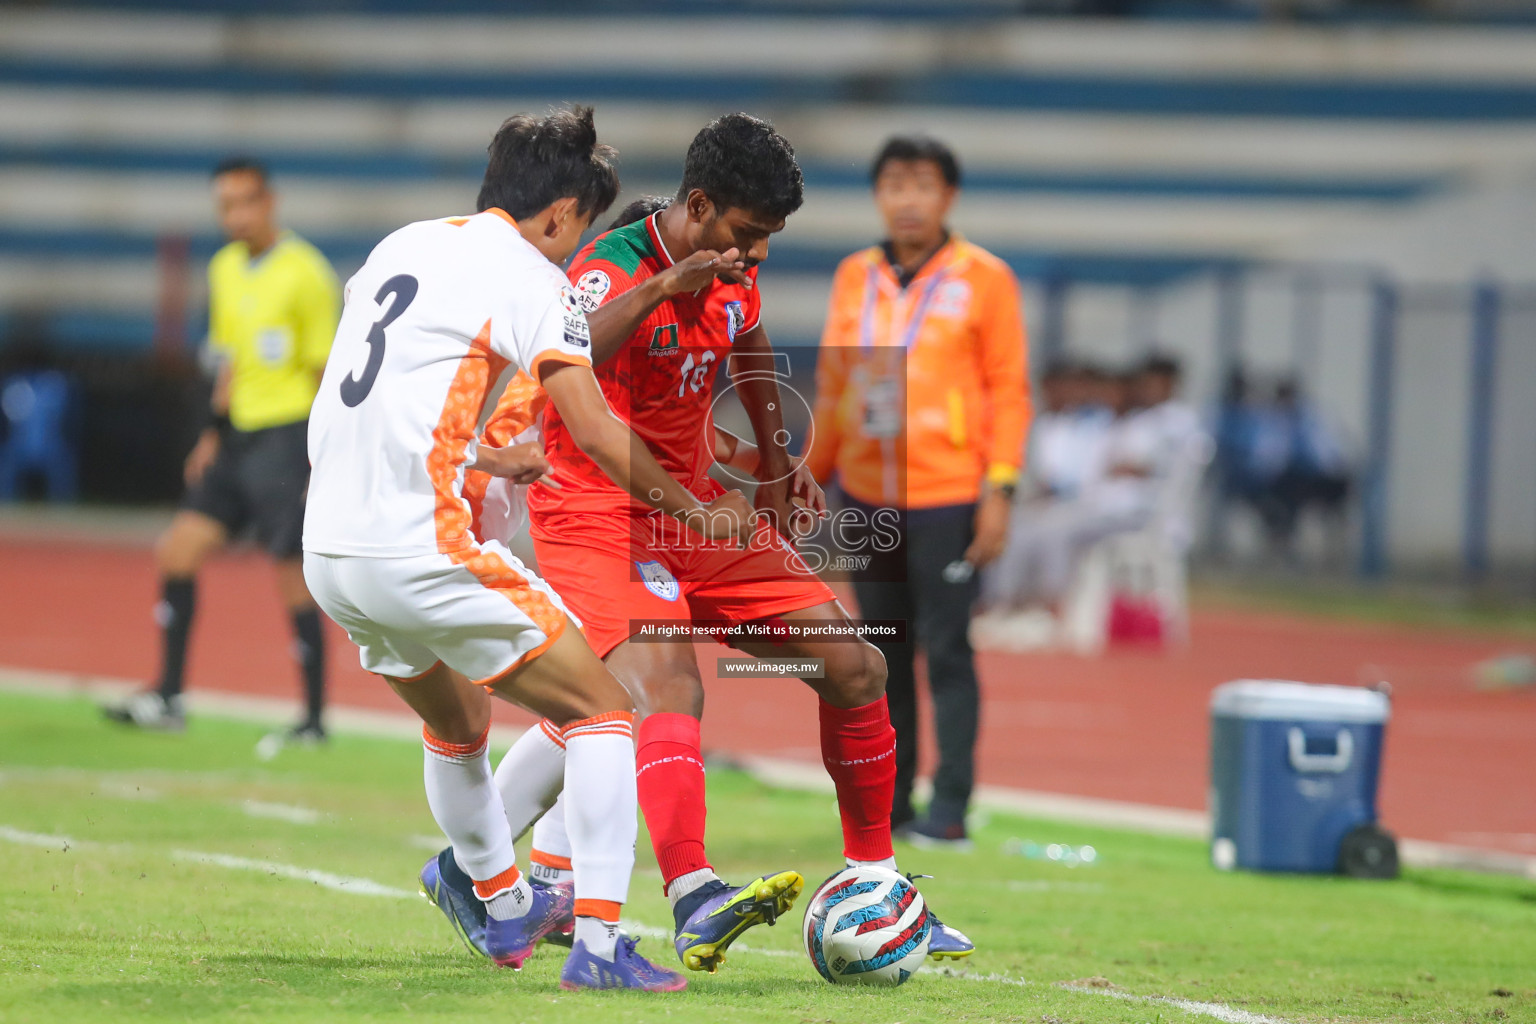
(601, 820)
(530, 778)
(464, 801)
(550, 859)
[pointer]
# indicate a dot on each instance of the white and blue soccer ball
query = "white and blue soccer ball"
(867, 926)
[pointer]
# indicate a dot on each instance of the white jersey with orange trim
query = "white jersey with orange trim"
(435, 323)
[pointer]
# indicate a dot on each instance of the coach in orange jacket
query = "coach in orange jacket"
(922, 407)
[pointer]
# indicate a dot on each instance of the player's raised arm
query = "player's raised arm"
(619, 453)
(616, 319)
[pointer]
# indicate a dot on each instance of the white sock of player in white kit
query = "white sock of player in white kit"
(530, 778)
(601, 820)
(464, 801)
(550, 858)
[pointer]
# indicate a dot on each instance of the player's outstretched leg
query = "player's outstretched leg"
(708, 914)
(568, 685)
(529, 778)
(467, 807)
(858, 747)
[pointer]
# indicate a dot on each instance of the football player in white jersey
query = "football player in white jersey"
(435, 323)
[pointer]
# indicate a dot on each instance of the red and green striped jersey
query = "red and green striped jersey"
(661, 382)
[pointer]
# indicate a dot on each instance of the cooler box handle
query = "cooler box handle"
(1338, 761)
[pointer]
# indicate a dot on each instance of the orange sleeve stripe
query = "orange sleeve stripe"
(550, 355)
(549, 860)
(457, 751)
(498, 885)
(467, 394)
(603, 910)
(517, 410)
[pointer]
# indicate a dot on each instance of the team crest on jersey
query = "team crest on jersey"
(591, 288)
(735, 320)
(664, 341)
(657, 580)
(953, 300)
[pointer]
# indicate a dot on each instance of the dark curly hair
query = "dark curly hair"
(639, 208)
(537, 160)
(739, 161)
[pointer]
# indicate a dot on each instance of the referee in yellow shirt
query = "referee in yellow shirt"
(273, 306)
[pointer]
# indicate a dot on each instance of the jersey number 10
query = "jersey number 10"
(699, 372)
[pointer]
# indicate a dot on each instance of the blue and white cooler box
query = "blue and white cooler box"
(1294, 769)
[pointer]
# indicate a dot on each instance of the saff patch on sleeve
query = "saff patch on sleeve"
(591, 288)
(578, 332)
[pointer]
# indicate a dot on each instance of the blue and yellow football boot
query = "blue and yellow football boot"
(711, 917)
(946, 943)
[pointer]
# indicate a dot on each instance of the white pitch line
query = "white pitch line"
(1220, 1011)
(47, 842)
(341, 883)
(291, 813)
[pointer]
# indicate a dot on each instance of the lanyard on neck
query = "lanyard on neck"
(914, 323)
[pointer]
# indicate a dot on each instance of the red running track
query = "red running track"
(1128, 726)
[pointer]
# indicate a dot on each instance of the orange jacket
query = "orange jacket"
(921, 392)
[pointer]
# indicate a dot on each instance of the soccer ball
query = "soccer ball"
(866, 926)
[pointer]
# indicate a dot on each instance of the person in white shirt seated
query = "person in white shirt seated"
(1122, 477)
(1067, 449)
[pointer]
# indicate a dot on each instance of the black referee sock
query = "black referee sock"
(309, 645)
(178, 600)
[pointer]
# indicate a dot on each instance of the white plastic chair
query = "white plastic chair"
(1150, 562)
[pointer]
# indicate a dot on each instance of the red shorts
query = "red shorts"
(612, 570)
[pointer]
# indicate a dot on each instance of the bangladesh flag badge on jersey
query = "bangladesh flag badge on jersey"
(664, 340)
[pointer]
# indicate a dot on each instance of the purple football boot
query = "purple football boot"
(628, 969)
(511, 942)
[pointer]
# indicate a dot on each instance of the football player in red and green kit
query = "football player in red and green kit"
(657, 352)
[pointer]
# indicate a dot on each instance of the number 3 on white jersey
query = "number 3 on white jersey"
(699, 371)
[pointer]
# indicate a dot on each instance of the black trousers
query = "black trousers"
(910, 583)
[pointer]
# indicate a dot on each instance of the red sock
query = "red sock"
(859, 748)
(669, 772)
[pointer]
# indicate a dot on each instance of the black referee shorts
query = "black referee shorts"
(258, 483)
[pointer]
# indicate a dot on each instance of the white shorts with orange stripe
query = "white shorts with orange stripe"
(479, 611)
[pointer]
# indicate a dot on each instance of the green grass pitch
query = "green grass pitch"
(173, 902)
